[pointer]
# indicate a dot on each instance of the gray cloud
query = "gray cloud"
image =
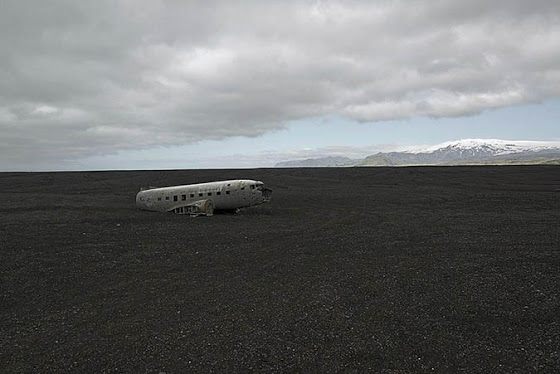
(79, 79)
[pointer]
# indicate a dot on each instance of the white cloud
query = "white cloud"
(103, 77)
(45, 109)
(436, 103)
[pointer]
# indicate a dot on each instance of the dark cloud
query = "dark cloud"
(80, 79)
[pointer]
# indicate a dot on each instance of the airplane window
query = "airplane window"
(218, 193)
(200, 194)
(175, 198)
(183, 197)
(192, 195)
(209, 193)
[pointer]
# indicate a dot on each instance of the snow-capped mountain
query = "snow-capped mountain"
(492, 147)
(470, 151)
(466, 152)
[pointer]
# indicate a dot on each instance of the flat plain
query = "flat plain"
(391, 270)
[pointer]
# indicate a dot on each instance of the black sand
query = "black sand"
(392, 270)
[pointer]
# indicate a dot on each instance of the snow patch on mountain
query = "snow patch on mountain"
(494, 147)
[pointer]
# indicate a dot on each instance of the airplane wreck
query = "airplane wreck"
(204, 198)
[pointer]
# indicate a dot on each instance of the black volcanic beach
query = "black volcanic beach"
(388, 270)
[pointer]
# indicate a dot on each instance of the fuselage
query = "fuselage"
(225, 195)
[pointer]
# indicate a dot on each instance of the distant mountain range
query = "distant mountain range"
(460, 152)
(330, 161)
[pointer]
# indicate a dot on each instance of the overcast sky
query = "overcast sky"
(158, 84)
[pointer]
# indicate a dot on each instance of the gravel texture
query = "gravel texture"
(389, 270)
